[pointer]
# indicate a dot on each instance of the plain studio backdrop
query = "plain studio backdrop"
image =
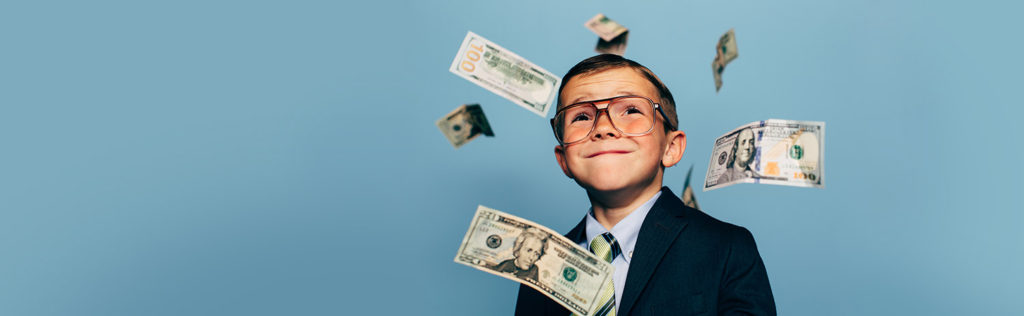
(261, 158)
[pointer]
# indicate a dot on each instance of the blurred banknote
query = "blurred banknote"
(496, 69)
(605, 27)
(725, 52)
(773, 152)
(612, 35)
(688, 198)
(464, 123)
(525, 252)
(616, 46)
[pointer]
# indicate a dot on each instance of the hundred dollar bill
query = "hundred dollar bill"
(536, 256)
(688, 198)
(464, 123)
(773, 151)
(725, 52)
(605, 27)
(496, 69)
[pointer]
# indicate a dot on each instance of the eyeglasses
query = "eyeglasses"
(631, 115)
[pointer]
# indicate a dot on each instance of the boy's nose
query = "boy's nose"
(603, 127)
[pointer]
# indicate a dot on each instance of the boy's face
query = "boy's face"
(607, 160)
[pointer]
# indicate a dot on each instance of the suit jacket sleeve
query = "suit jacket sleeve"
(745, 289)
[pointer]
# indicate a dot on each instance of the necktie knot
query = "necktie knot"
(605, 246)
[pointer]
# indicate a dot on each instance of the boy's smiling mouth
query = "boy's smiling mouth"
(603, 152)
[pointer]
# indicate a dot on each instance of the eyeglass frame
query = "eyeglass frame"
(597, 116)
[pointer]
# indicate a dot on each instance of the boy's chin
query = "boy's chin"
(611, 184)
(618, 179)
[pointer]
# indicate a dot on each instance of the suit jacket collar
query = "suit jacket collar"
(578, 233)
(659, 230)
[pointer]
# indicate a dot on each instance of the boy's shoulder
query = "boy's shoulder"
(698, 219)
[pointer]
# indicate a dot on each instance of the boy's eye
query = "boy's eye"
(630, 109)
(580, 117)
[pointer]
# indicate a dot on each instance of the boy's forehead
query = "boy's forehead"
(606, 83)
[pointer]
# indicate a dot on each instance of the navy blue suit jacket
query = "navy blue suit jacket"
(684, 263)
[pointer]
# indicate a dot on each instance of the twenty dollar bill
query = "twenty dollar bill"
(496, 69)
(536, 256)
(773, 151)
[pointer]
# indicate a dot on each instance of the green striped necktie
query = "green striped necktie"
(606, 247)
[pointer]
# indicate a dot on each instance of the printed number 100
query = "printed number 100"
(472, 56)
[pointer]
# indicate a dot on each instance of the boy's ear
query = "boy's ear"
(560, 155)
(674, 148)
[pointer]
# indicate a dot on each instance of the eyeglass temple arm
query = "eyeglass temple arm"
(656, 105)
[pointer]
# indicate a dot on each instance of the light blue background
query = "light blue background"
(261, 158)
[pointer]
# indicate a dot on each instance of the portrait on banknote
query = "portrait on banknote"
(744, 150)
(527, 249)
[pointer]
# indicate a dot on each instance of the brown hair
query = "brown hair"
(611, 61)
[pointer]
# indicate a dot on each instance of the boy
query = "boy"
(616, 128)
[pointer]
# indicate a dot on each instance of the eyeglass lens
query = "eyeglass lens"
(632, 116)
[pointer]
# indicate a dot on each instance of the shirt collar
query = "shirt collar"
(625, 231)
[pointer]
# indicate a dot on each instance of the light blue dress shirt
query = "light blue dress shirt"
(625, 232)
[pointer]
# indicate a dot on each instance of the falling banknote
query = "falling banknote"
(534, 255)
(616, 46)
(612, 35)
(605, 27)
(464, 123)
(506, 74)
(773, 152)
(688, 198)
(725, 52)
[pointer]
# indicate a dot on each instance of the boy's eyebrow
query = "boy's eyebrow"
(582, 97)
(617, 93)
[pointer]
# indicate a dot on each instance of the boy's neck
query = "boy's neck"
(611, 207)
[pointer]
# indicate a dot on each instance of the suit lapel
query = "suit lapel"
(657, 233)
(578, 233)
